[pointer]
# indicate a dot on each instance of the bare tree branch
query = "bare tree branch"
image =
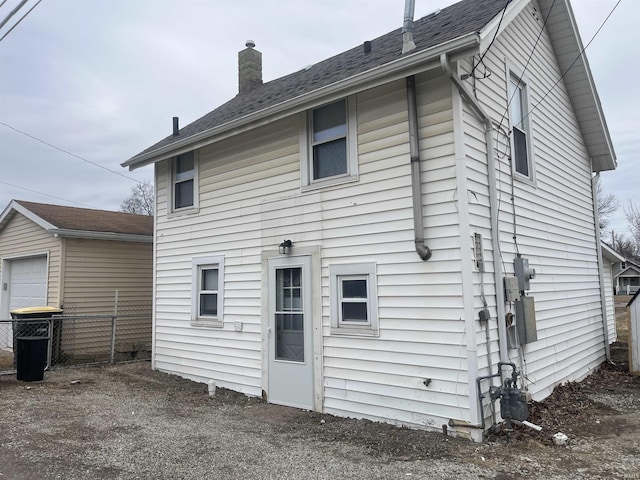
(141, 201)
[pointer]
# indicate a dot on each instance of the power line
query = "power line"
(45, 194)
(533, 50)
(21, 18)
(492, 40)
(69, 153)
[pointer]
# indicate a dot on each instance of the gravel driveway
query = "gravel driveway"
(129, 422)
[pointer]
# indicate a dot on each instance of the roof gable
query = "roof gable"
(434, 34)
(82, 222)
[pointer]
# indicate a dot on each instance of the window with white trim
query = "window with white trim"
(207, 291)
(354, 302)
(328, 144)
(521, 151)
(184, 182)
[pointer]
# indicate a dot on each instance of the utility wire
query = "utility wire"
(572, 64)
(492, 40)
(533, 50)
(21, 18)
(45, 194)
(13, 12)
(69, 153)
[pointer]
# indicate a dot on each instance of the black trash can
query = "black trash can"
(31, 358)
(31, 337)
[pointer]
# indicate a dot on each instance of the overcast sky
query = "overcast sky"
(101, 79)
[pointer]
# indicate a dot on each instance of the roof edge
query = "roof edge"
(399, 66)
(14, 206)
(93, 235)
(601, 161)
(610, 253)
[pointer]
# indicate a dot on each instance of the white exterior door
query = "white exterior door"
(290, 332)
(28, 283)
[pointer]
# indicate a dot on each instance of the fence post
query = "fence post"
(113, 339)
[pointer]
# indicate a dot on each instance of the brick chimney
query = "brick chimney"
(249, 68)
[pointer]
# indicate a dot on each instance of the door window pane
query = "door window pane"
(289, 316)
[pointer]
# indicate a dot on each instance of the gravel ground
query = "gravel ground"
(129, 422)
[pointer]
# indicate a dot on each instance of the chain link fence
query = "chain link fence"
(75, 339)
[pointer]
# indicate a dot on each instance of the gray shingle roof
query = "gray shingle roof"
(84, 219)
(465, 17)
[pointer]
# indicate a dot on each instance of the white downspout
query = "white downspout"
(423, 251)
(493, 203)
(603, 297)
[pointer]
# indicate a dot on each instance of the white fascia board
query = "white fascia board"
(408, 65)
(610, 254)
(513, 10)
(120, 237)
(562, 21)
(16, 207)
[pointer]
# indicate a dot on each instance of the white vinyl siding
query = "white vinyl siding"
(555, 225)
(250, 200)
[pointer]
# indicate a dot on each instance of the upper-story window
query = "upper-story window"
(328, 147)
(521, 151)
(184, 187)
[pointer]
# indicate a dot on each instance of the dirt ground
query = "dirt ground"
(129, 422)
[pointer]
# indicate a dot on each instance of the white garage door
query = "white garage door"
(28, 283)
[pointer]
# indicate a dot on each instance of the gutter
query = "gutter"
(122, 237)
(493, 203)
(394, 70)
(603, 298)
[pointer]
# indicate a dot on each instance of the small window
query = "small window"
(328, 144)
(520, 132)
(354, 302)
(184, 182)
(207, 291)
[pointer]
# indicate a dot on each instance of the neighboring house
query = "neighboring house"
(338, 239)
(609, 259)
(74, 259)
(626, 277)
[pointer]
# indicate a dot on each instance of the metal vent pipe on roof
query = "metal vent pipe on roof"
(176, 126)
(407, 26)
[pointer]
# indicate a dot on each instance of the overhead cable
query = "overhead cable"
(21, 18)
(69, 153)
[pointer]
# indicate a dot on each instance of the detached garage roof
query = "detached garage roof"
(82, 222)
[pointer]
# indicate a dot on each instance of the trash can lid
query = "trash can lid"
(34, 310)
